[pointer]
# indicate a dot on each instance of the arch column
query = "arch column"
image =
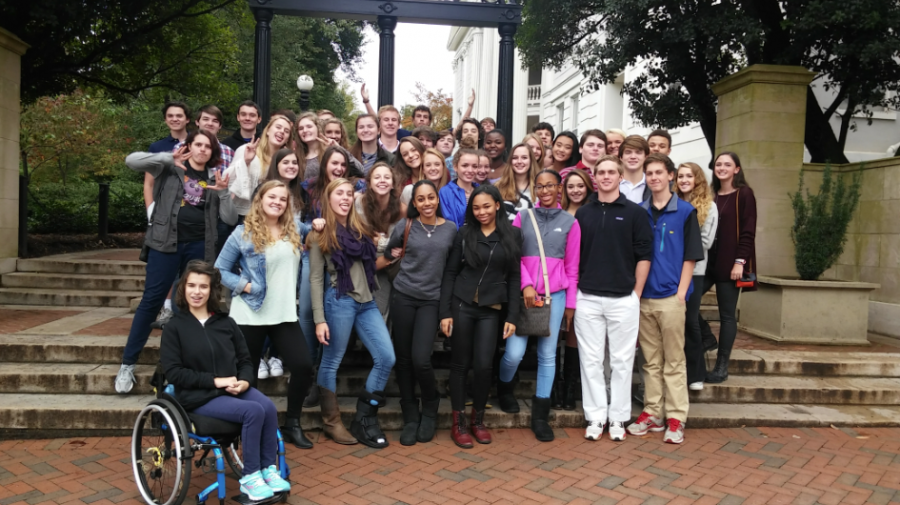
(386, 24)
(262, 61)
(505, 77)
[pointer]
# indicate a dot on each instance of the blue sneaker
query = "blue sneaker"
(255, 487)
(274, 480)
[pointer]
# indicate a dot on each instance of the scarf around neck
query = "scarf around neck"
(350, 250)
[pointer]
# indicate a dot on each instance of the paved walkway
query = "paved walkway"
(748, 465)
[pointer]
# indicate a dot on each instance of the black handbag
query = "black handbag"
(394, 268)
(535, 322)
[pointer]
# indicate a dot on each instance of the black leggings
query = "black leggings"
(727, 294)
(474, 340)
(693, 345)
(288, 338)
(415, 323)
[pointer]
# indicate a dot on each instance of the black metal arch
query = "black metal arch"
(504, 15)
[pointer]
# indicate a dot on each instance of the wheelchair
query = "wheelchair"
(165, 440)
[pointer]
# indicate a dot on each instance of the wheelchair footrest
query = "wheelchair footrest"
(243, 499)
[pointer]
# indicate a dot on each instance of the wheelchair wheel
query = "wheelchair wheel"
(234, 456)
(159, 454)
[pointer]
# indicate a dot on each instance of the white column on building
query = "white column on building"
(520, 102)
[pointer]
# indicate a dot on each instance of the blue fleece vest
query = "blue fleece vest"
(668, 249)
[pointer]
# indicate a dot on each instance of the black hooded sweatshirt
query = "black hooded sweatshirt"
(193, 355)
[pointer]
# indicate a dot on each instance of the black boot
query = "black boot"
(707, 337)
(540, 413)
(506, 398)
(410, 422)
(312, 398)
(556, 392)
(571, 374)
(720, 372)
(292, 432)
(365, 424)
(428, 422)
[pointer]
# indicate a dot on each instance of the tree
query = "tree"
(681, 48)
(441, 106)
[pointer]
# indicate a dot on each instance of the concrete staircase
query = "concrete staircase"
(73, 280)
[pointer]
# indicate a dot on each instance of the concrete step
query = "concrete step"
(801, 390)
(65, 264)
(85, 349)
(67, 297)
(57, 415)
(812, 363)
(709, 298)
(91, 282)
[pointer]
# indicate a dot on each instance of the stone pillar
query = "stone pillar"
(761, 117)
(262, 62)
(386, 24)
(11, 50)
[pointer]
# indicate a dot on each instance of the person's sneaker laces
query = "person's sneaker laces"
(125, 379)
(616, 431)
(273, 480)
(164, 316)
(675, 432)
(645, 422)
(255, 487)
(275, 367)
(696, 386)
(593, 431)
(263, 372)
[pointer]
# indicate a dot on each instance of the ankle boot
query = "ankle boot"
(428, 421)
(506, 398)
(540, 414)
(365, 425)
(558, 388)
(333, 427)
(312, 398)
(459, 432)
(292, 432)
(479, 431)
(720, 372)
(410, 422)
(571, 374)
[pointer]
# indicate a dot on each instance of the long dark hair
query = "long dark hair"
(298, 196)
(472, 230)
(201, 267)
(575, 157)
(215, 151)
(379, 220)
(402, 171)
(739, 180)
(356, 150)
(411, 211)
(316, 187)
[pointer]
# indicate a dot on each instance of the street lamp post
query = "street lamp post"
(304, 84)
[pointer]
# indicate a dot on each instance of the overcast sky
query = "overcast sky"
(420, 55)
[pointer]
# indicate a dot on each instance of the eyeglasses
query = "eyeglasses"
(548, 187)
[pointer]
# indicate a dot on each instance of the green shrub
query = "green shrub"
(74, 208)
(820, 223)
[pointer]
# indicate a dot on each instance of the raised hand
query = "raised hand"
(250, 151)
(471, 100)
(364, 93)
(327, 141)
(181, 155)
(220, 182)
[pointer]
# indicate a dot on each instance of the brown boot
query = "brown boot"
(333, 427)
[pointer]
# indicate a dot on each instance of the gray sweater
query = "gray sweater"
(422, 268)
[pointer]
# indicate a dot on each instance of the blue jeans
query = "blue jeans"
(258, 418)
(162, 270)
(304, 310)
(343, 315)
(516, 344)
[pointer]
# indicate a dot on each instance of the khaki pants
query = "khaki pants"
(662, 343)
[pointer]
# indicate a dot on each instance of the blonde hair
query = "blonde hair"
(256, 229)
(334, 120)
(327, 238)
(445, 174)
(388, 108)
(507, 183)
(262, 151)
(540, 144)
(701, 196)
(617, 131)
(613, 158)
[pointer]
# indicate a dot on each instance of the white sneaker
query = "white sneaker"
(593, 431)
(696, 386)
(275, 367)
(616, 431)
(125, 379)
(646, 423)
(674, 433)
(263, 372)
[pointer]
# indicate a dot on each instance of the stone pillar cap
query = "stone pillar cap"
(9, 41)
(769, 74)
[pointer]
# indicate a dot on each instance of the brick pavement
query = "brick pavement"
(733, 466)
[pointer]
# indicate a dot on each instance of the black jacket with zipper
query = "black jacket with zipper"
(194, 354)
(497, 280)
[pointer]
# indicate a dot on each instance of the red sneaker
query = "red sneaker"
(645, 422)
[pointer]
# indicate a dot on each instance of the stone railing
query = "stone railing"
(534, 94)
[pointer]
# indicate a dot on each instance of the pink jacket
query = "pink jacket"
(561, 236)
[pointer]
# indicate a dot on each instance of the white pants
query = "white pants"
(599, 320)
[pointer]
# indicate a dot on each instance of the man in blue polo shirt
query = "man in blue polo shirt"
(676, 247)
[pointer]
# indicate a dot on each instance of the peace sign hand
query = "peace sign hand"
(327, 141)
(221, 182)
(250, 151)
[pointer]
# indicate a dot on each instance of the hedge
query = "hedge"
(73, 208)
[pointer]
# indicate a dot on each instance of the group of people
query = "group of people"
(599, 237)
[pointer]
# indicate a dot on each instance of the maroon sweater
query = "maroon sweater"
(727, 246)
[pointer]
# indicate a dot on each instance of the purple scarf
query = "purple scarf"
(350, 250)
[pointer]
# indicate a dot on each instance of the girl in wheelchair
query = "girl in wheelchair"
(205, 357)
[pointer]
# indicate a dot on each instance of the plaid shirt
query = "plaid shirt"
(226, 158)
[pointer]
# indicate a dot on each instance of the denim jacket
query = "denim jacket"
(240, 251)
